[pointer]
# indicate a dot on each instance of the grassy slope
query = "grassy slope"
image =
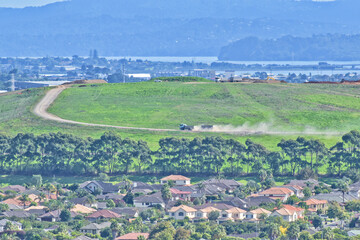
(288, 107)
(165, 105)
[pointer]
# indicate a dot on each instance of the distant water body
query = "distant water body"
(209, 60)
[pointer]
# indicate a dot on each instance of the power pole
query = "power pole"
(123, 70)
(12, 82)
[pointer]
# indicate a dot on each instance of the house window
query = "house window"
(224, 215)
(199, 214)
(172, 214)
(181, 214)
(147, 204)
(184, 181)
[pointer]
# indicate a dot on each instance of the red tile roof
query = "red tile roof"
(104, 214)
(315, 202)
(175, 191)
(175, 178)
(132, 236)
(276, 191)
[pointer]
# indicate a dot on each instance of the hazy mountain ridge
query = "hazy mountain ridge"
(319, 47)
(164, 27)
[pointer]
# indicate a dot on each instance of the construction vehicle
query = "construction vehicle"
(270, 78)
(185, 127)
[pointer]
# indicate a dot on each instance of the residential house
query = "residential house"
(204, 212)
(180, 195)
(82, 237)
(127, 212)
(15, 188)
(335, 197)
(102, 214)
(256, 214)
(4, 221)
(178, 180)
(16, 214)
(149, 201)
(84, 201)
(37, 210)
(289, 213)
(220, 206)
(315, 204)
(54, 216)
(234, 201)
(99, 186)
(355, 189)
(180, 212)
(232, 214)
(132, 236)
(78, 208)
(94, 228)
(296, 189)
(277, 193)
(227, 184)
(256, 201)
(310, 183)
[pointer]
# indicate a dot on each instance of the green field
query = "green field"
(280, 107)
(287, 107)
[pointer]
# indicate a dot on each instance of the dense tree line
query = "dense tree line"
(57, 153)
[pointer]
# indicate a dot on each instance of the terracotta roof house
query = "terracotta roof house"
(289, 213)
(104, 188)
(54, 216)
(254, 215)
(233, 214)
(132, 236)
(180, 212)
(102, 214)
(177, 179)
(277, 193)
(180, 195)
(315, 204)
(94, 228)
(14, 201)
(37, 210)
(296, 189)
(78, 208)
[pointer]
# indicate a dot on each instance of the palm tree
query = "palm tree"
(344, 188)
(49, 188)
(24, 199)
(273, 231)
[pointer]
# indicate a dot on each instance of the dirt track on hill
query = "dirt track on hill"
(42, 107)
(41, 110)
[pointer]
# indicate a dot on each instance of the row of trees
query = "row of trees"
(58, 153)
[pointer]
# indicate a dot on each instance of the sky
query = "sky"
(25, 3)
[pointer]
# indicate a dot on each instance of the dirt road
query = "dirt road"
(41, 111)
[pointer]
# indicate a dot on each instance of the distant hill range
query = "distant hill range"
(165, 27)
(316, 48)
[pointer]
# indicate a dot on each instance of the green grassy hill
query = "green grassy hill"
(281, 107)
(287, 107)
